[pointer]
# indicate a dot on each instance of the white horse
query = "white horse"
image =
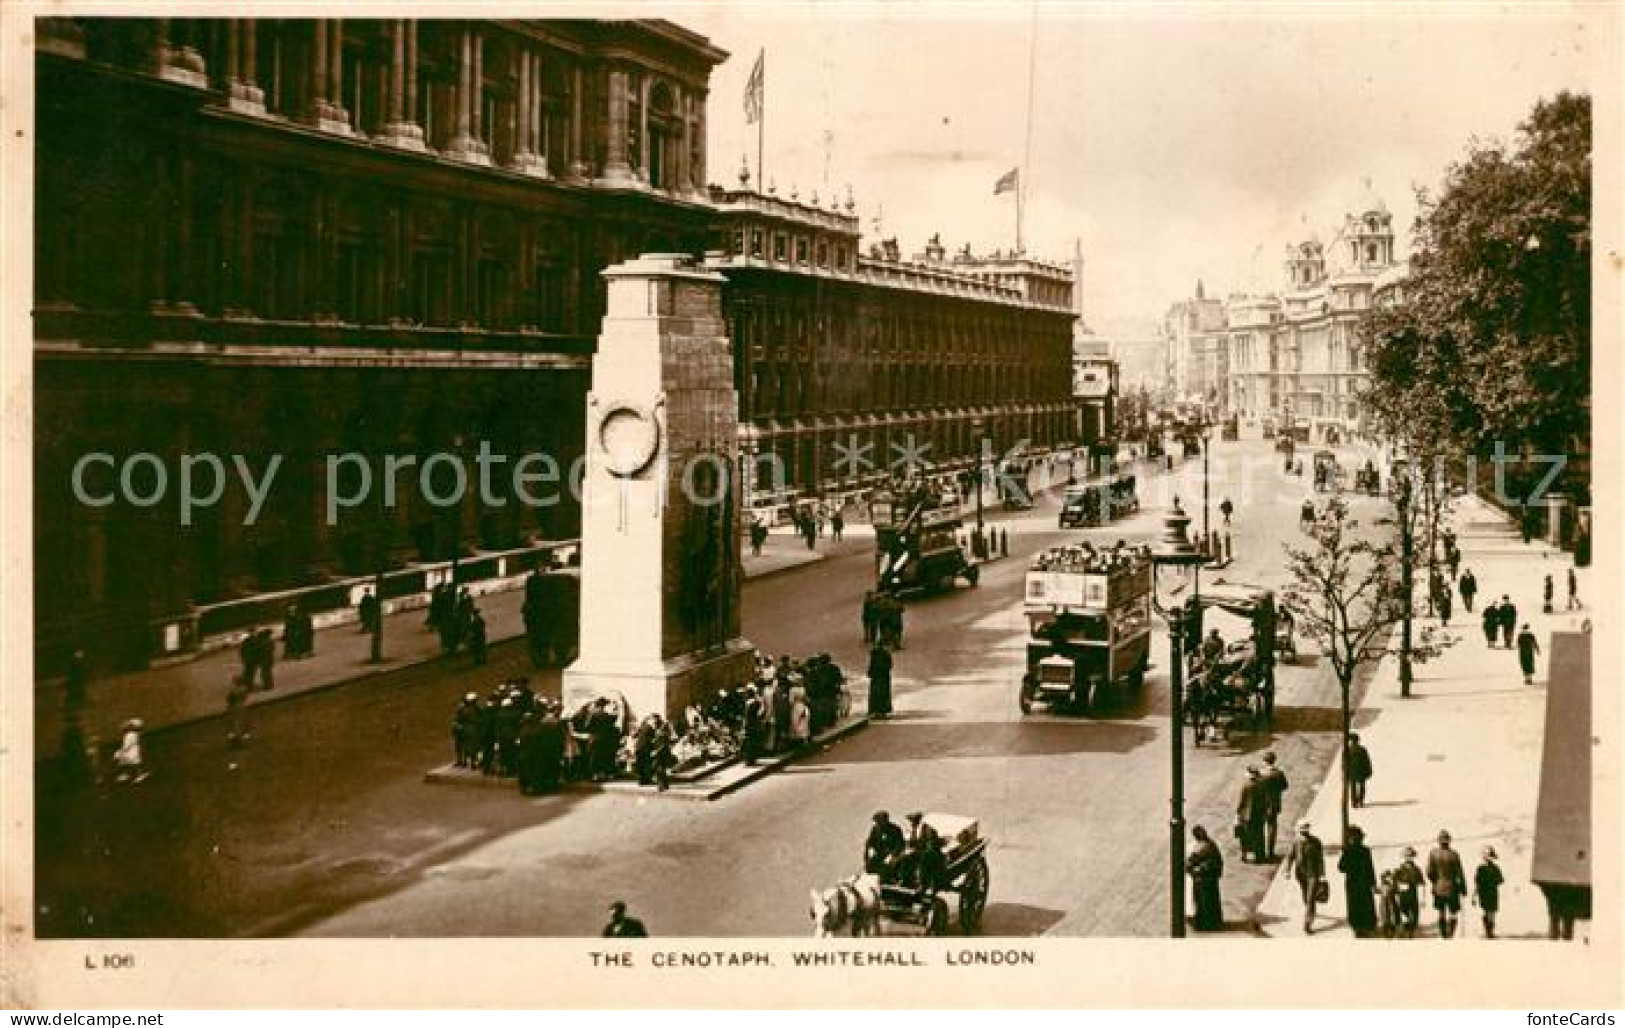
(853, 901)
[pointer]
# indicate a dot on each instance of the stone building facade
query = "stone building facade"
(846, 362)
(295, 238)
(289, 239)
(1293, 355)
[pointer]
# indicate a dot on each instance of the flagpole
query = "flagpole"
(1027, 153)
(761, 122)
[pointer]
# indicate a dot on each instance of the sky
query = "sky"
(1174, 144)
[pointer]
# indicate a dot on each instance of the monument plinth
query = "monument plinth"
(660, 571)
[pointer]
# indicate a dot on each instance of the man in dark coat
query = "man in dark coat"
(622, 925)
(367, 610)
(529, 754)
(1275, 783)
(1487, 880)
(1527, 648)
(884, 845)
(1359, 884)
(1547, 593)
(1408, 892)
(1509, 621)
(1205, 865)
(549, 749)
(507, 729)
(1469, 589)
(1448, 881)
(1574, 592)
(1492, 623)
(891, 621)
(880, 665)
(604, 740)
(488, 736)
(1357, 769)
(869, 616)
(465, 731)
(1306, 863)
(1252, 810)
(1442, 604)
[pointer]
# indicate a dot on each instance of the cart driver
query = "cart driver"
(883, 847)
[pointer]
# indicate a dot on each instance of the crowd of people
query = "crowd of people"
(1085, 558)
(1386, 905)
(513, 733)
(455, 616)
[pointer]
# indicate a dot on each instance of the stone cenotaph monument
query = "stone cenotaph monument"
(660, 570)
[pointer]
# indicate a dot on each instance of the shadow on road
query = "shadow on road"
(1018, 919)
(999, 739)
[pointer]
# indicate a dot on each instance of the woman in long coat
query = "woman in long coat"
(1359, 884)
(1205, 865)
(880, 661)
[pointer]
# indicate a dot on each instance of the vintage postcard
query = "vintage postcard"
(812, 504)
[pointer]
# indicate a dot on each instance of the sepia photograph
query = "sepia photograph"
(900, 492)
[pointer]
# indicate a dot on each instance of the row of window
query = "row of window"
(808, 252)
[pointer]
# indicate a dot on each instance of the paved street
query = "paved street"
(325, 827)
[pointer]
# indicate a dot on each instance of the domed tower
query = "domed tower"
(1305, 264)
(1369, 238)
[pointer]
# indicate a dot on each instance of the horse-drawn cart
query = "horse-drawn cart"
(946, 862)
(967, 881)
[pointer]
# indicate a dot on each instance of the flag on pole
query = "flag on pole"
(753, 92)
(1007, 182)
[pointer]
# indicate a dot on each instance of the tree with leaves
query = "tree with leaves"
(1492, 339)
(1344, 591)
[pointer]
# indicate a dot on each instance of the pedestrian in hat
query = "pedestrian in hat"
(1306, 863)
(1546, 594)
(1359, 884)
(1205, 865)
(1492, 623)
(1388, 905)
(1276, 784)
(1448, 882)
(1468, 585)
(1252, 810)
(623, 925)
(1408, 881)
(884, 845)
(1528, 646)
(465, 730)
(1357, 769)
(880, 668)
(1487, 881)
(1574, 591)
(1509, 621)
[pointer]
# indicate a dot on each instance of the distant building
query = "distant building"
(1296, 354)
(1192, 330)
(845, 360)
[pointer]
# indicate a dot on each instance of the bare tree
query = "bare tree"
(1346, 592)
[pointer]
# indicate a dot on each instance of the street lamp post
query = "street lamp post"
(1406, 544)
(457, 524)
(1176, 552)
(976, 429)
(1206, 431)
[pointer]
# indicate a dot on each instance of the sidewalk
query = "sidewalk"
(1462, 753)
(195, 689)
